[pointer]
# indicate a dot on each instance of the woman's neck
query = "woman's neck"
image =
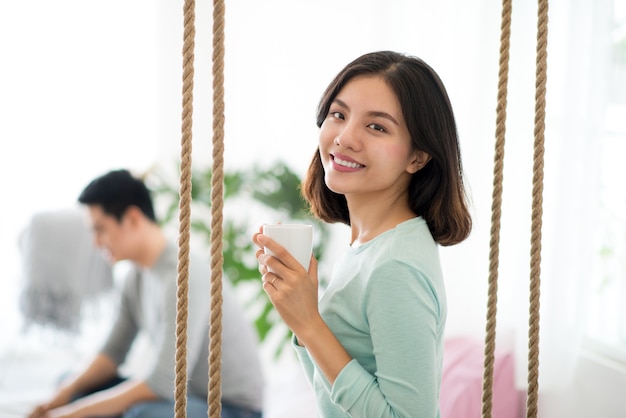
(369, 219)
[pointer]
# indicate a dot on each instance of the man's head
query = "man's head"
(120, 207)
(115, 192)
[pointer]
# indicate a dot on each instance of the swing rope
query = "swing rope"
(180, 382)
(537, 211)
(217, 203)
(214, 387)
(537, 205)
(496, 209)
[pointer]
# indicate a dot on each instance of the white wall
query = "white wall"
(77, 98)
(597, 390)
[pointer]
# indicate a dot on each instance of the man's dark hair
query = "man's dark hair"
(115, 192)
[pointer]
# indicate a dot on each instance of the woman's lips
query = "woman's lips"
(345, 163)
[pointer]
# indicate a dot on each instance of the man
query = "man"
(125, 228)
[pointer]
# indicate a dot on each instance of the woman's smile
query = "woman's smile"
(345, 163)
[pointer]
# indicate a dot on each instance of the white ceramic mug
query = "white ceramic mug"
(296, 238)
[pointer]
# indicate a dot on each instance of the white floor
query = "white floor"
(32, 360)
(29, 373)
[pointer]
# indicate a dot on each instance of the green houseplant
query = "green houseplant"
(251, 197)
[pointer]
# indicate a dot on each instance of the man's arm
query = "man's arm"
(100, 370)
(113, 401)
(107, 402)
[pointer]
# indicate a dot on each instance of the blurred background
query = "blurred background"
(87, 86)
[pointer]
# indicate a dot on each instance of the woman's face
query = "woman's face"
(365, 145)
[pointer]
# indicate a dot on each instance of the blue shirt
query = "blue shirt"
(386, 304)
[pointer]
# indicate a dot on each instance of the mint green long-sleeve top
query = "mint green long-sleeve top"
(386, 304)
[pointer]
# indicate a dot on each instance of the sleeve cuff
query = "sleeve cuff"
(351, 381)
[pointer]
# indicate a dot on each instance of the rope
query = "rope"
(537, 211)
(180, 389)
(217, 203)
(496, 209)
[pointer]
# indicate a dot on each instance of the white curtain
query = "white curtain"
(578, 68)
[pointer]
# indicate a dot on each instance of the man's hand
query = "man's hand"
(67, 411)
(39, 411)
(61, 398)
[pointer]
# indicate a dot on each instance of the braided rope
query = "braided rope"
(217, 203)
(537, 211)
(496, 209)
(180, 389)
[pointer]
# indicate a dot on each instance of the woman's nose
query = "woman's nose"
(348, 138)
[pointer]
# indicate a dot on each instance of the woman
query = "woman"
(388, 165)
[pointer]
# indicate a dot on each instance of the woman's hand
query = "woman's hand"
(292, 290)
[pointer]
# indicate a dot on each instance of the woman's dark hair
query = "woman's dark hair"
(115, 192)
(436, 192)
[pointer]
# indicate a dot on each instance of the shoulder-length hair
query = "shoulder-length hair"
(436, 192)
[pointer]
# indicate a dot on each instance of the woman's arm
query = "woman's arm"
(405, 320)
(293, 291)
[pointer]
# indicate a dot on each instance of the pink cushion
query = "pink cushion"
(462, 381)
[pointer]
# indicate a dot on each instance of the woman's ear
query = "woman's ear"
(420, 159)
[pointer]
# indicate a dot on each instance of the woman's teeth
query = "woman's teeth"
(348, 164)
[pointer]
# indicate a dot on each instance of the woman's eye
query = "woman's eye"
(337, 115)
(376, 127)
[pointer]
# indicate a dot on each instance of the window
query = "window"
(606, 322)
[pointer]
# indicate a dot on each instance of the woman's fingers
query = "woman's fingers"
(280, 254)
(255, 240)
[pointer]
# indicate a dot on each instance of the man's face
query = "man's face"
(111, 236)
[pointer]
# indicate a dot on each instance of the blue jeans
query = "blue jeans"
(196, 408)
